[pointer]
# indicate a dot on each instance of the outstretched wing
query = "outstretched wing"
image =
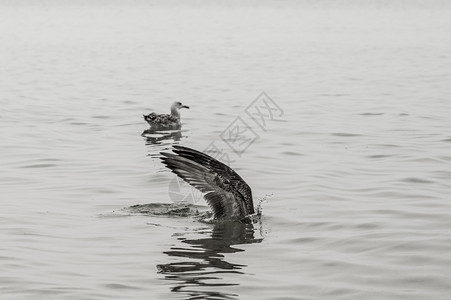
(227, 194)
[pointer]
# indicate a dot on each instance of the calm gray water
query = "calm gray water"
(355, 167)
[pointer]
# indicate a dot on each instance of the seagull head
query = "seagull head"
(179, 105)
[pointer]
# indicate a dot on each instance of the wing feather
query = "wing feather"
(228, 195)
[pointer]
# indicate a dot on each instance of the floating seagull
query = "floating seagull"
(165, 120)
(227, 194)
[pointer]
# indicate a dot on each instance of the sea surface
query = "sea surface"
(336, 113)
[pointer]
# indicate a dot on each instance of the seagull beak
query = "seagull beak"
(184, 106)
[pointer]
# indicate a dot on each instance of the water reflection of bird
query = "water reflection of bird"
(155, 137)
(203, 262)
(165, 120)
(227, 194)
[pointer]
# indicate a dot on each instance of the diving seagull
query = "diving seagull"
(165, 120)
(227, 194)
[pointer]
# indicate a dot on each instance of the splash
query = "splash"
(260, 203)
(165, 209)
(183, 209)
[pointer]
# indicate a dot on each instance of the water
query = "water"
(356, 171)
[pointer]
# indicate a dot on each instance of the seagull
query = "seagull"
(165, 120)
(227, 194)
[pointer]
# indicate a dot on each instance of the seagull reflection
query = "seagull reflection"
(200, 271)
(156, 137)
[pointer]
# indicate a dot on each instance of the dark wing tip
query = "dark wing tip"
(166, 154)
(183, 148)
